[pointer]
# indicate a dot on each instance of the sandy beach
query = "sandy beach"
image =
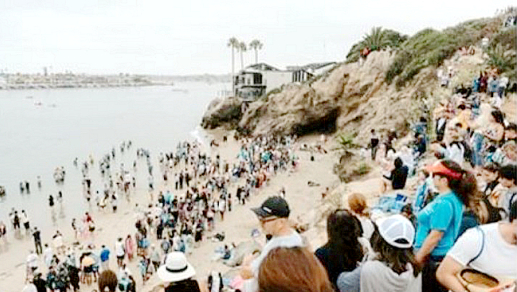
(237, 224)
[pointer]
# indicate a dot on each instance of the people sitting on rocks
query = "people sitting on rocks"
(397, 176)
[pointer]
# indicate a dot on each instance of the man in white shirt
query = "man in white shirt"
(273, 215)
(120, 251)
(491, 249)
(32, 261)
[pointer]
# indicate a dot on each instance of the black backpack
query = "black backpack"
(495, 214)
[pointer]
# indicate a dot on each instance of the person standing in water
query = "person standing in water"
(37, 240)
(25, 222)
(50, 201)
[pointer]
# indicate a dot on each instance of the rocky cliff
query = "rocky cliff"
(390, 90)
(350, 98)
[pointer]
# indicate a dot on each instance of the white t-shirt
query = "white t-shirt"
(29, 288)
(292, 240)
(119, 248)
(498, 257)
(48, 254)
(32, 260)
(367, 226)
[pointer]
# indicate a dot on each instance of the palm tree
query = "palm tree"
(234, 44)
(242, 48)
(256, 45)
(377, 39)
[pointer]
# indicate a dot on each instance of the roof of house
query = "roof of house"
(262, 67)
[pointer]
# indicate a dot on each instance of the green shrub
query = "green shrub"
(502, 58)
(430, 47)
(397, 66)
(363, 168)
(506, 37)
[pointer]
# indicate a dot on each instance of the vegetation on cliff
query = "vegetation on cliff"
(378, 39)
(395, 85)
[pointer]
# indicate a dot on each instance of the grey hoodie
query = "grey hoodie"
(375, 276)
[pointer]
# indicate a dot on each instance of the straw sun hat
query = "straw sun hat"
(176, 268)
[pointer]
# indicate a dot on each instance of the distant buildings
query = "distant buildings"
(259, 79)
(70, 80)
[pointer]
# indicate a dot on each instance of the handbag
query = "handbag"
(476, 281)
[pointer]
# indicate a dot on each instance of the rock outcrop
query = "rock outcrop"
(220, 113)
(350, 98)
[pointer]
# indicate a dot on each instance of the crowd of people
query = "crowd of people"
(198, 190)
(456, 232)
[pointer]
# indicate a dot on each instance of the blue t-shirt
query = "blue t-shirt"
(444, 214)
(105, 255)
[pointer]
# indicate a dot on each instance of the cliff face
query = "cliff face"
(350, 98)
(390, 90)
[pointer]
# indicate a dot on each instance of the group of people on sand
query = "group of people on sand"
(179, 216)
(456, 231)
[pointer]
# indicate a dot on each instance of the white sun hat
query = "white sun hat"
(397, 230)
(176, 268)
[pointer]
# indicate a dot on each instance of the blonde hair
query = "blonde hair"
(357, 204)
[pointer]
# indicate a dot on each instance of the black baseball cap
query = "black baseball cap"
(273, 206)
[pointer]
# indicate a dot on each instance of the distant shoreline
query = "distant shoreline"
(69, 80)
(71, 86)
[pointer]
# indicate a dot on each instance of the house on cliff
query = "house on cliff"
(259, 79)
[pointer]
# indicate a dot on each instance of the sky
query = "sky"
(171, 37)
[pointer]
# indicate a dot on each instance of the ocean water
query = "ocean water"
(43, 129)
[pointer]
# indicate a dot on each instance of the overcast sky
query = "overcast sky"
(189, 37)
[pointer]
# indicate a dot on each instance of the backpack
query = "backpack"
(494, 213)
(468, 154)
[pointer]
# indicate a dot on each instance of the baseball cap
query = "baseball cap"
(397, 231)
(273, 206)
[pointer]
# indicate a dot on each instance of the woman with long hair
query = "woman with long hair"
(292, 269)
(342, 252)
(394, 267)
(440, 221)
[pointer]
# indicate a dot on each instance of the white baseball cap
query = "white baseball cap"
(397, 230)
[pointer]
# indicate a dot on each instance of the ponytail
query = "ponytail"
(465, 187)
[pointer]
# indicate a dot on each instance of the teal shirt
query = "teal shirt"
(444, 214)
